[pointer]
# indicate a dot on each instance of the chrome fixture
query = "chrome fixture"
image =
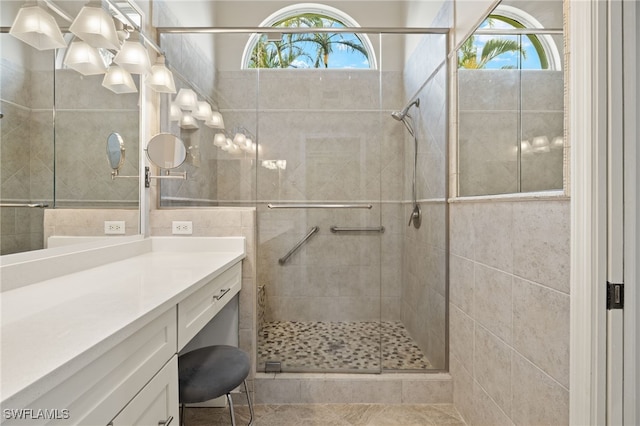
(406, 119)
(336, 229)
(96, 28)
(28, 205)
(319, 206)
(295, 248)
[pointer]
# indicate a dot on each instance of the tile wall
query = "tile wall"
(424, 271)
(509, 311)
(497, 110)
(26, 157)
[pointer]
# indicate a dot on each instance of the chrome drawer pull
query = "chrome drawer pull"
(222, 293)
(165, 422)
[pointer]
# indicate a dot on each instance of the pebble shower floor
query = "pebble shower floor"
(339, 347)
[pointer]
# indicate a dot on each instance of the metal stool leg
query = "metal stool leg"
(233, 416)
(246, 389)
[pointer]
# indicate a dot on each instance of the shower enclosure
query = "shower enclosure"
(344, 285)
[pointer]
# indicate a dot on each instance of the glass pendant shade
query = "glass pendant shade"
(84, 59)
(161, 79)
(175, 113)
(202, 111)
(215, 121)
(220, 140)
(188, 122)
(37, 28)
(95, 26)
(540, 144)
(187, 99)
(239, 139)
(118, 80)
(133, 57)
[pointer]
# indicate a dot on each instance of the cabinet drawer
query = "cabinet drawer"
(196, 311)
(157, 402)
(96, 393)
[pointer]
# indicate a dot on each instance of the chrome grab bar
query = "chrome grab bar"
(319, 206)
(286, 257)
(30, 205)
(335, 229)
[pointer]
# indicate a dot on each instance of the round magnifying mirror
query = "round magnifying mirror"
(115, 151)
(166, 151)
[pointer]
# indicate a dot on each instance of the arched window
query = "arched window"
(322, 49)
(530, 51)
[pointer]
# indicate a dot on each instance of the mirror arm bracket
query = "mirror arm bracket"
(114, 175)
(148, 176)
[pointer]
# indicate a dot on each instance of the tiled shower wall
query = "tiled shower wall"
(497, 110)
(509, 311)
(338, 148)
(424, 272)
(27, 150)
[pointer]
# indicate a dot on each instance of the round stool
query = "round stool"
(211, 372)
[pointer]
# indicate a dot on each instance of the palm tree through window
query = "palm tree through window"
(487, 51)
(324, 49)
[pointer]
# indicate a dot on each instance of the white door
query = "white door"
(631, 135)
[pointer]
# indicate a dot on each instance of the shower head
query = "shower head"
(400, 115)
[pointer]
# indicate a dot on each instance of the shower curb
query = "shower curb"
(320, 388)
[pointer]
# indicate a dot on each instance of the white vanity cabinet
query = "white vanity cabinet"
(100, 346)
(157, 402)
(195, 311)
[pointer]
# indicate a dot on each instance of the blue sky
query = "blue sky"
(532, 60)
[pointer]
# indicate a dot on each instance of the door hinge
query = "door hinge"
(615, 296)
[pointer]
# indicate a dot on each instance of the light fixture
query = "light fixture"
(248, 145)
(175, 113)
(84, 59)
(186, 99)
(240, 139)
(220, 140)
(37, 28)
(557, 142)
(202, 111)
(118, 80)
(95, 26)
(133, 57)
(540, 144)
(160, 78)
(215, 121)
(525, 147)
(188, 122)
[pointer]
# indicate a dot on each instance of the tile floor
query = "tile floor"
(330, 415)
(339, 346)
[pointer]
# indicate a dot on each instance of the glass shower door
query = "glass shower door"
(319, 220)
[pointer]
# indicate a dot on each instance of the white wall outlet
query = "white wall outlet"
(114, 226)
(182, 227)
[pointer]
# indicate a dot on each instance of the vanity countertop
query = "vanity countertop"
(52, 328)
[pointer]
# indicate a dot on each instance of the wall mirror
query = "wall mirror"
(54, 127)
(115, 152)
(511, 101)
(166, 151)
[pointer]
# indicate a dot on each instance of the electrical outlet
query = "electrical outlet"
(114, 226)
(182, 227)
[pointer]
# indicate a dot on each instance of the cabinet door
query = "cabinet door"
(157, 402)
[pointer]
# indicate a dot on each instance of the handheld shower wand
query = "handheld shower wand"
(400, 115)
(404, 117)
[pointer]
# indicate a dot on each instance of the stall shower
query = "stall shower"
(342, 283)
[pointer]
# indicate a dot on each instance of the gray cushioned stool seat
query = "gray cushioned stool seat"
(211, 372)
